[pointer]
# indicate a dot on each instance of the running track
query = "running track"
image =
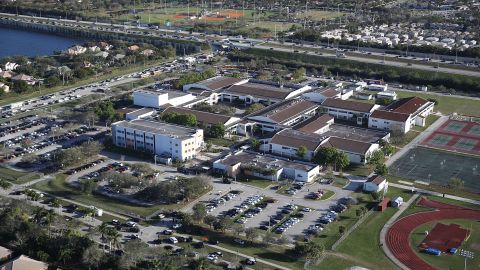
(398, 236)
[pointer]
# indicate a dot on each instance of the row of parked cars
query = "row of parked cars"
(213, 204)
(84, 167)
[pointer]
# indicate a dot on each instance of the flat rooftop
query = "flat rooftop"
(265, 161)
(141, 111)
(157, 127)
(355, 133)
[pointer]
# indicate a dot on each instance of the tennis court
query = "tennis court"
(458, 134)
(430, 165)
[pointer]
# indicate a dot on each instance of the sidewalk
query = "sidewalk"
(434, 193)
(387, 226)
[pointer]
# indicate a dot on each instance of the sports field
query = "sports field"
(458, 134)
(439, 167)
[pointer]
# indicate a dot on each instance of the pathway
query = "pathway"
(387, 226)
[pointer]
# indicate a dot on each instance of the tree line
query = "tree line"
(348, 68)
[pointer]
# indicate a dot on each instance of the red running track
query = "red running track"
(398, 236)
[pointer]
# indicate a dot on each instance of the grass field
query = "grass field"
(428, 122)
(363, 244)
(17, 177)
(58, 187)
(318, 15)
(450, 261)
(448, 104)
(252, 180)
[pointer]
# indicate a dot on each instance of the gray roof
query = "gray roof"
(157, 127)
(265, 161)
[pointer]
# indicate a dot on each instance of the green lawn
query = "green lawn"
(220, 142)
(327, 195)
(252, 180)
(317, 15)
(58, 187)
(360, 170)
(363, 243)
(448, 104)
(18, 177)
(428, 122)
(449, 261)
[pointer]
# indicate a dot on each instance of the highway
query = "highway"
(245, 43)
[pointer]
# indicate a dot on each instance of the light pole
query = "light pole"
(468, 255)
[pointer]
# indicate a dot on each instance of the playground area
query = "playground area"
(459, 134)
(439, 167)
(445, 237)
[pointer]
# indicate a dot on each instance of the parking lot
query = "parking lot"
(280, 202)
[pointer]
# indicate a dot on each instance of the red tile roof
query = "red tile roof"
(390, 115)
(377, 179)
(348, 145)
(318, 123)
(407, 105)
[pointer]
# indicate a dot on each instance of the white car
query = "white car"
(173, 240)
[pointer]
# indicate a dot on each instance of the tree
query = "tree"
(223, 224)
(381, 169)
(341, 229)
(388, 149)
(4, 184)
(238, 228)
(89, 186)
(92, 257)
(377, 157)
(255, 144)
(311, 250)
(209, 220)
(135, 250)
(325, 156)
(184, 119)
(302, 151)
(456, 183)
(216, 131)
(254, 108)
(199, 212)
(299, 73)
(251, 233)
(341, 160)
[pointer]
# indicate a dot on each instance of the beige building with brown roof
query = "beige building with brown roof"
(401, 115)
(349, 110)
(284, 114)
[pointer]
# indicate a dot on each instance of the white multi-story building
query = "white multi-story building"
(162, 139)
(155, 99)
(402, 115)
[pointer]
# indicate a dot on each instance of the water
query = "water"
(15, 42)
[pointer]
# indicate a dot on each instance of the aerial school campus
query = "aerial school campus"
(242, 135)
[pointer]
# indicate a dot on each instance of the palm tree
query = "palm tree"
(65, 254)
(113, 237)
(103, 229)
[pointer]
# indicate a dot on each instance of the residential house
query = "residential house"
(5, 88)
(22, 77)
(402, 114)
(133, 48)
(10, 66)
(101, 54)
(76, 50)
(7, 74)
(94, 48)
(105, 46)
(10, 262)
(147, 52)
(375, 183)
